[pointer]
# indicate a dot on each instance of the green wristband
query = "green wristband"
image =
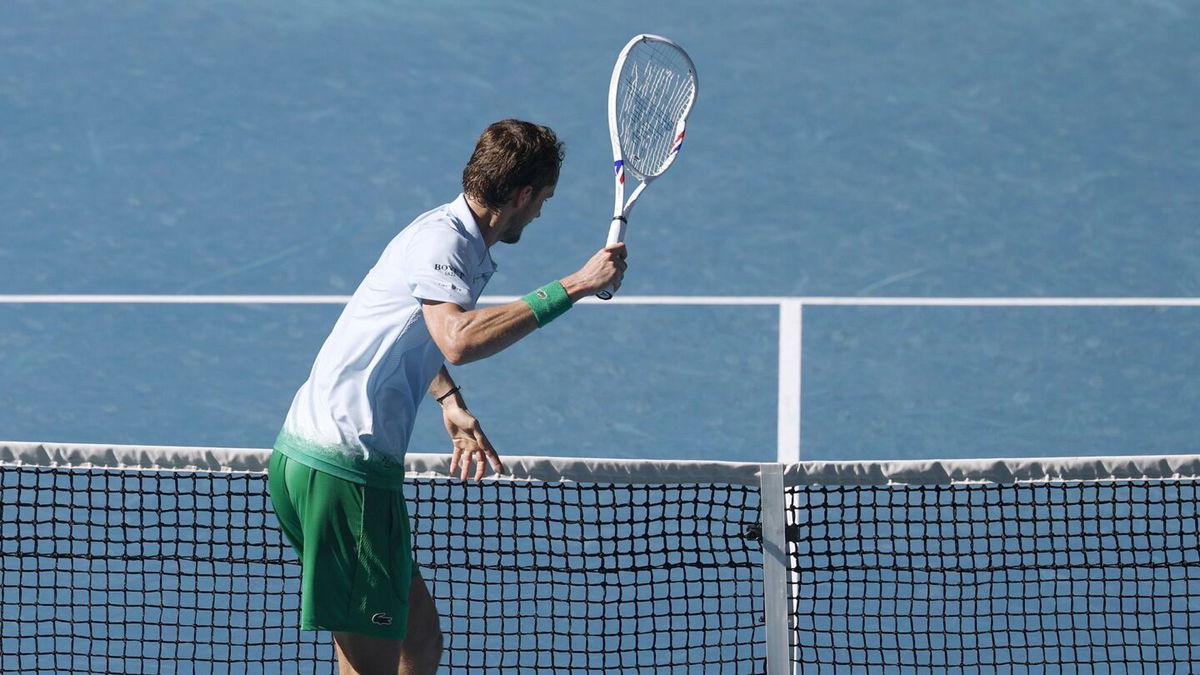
(548, 302)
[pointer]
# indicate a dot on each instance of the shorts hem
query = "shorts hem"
(387, 633)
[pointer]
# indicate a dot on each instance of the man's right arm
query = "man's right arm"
(465, 336)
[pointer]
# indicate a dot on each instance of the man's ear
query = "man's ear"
(521, 196)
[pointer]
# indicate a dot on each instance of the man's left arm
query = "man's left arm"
(470, 443)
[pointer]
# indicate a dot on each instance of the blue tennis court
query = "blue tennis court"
(188, 190)
(858, 149)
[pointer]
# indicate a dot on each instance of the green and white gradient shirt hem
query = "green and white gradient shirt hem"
(374, 470)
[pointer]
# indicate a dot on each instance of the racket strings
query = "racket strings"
(656, 91)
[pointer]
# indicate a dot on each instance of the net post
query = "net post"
(775, 569)
(791, 321)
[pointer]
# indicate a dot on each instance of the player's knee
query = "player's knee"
(435, 649)
(422, 656)
(432, 649)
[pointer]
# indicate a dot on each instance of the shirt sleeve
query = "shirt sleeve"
(437, 261)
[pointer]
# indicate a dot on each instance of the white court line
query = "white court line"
(52, 299)
(791, 339)
(765, 300)
(791, 308)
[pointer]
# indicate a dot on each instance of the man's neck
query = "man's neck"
(490, 221)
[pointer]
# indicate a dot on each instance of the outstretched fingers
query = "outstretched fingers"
(474, 455)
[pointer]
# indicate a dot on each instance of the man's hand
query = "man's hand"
(470, 443)
(605, 268)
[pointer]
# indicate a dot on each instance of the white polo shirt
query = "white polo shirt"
(354, 416)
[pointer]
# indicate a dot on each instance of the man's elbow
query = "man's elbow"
(459, 339)
(457, 352)
(449, 338)
(455, 356)
(462, 357)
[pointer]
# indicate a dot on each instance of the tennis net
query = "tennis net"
(119, 559)
(131, 559)
(1060, 566)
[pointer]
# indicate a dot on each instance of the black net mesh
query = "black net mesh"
(132, 571)
(114, 571)
(1095, 577)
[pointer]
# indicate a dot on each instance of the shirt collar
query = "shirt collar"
(462, 213)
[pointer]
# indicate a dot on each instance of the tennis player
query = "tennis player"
(337, 470)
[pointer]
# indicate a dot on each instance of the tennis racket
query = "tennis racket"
(650, 95)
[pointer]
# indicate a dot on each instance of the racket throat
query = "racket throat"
(616, 230)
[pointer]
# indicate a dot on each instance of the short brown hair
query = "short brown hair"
(511, 154)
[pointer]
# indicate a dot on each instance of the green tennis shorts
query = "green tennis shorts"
(354, 545)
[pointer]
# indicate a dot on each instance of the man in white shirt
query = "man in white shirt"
(338, 467)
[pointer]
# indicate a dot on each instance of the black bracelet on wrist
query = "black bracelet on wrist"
(448, 394)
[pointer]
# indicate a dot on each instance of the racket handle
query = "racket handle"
(616, 231)
(616, 235)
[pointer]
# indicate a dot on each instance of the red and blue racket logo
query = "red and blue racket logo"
(678, 143)
(619, 168)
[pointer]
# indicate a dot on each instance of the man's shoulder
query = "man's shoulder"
(442, 221)
(436, 247)
(438, 223)
(441, 228)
